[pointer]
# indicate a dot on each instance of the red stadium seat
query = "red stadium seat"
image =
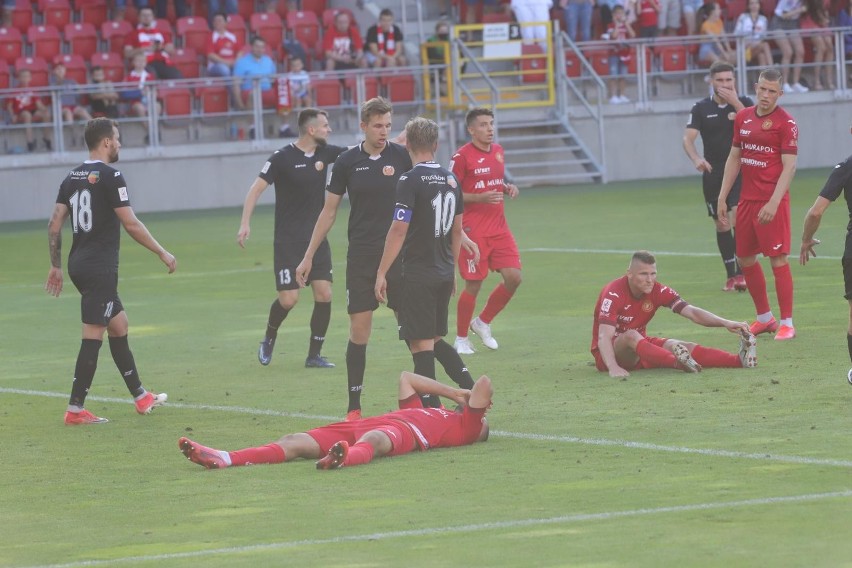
(11, 44)
(326, 92)
(82, 39)
(400, 88)
(193, 32)
(306, 30)
(767, 7)
(75, 67)
(315, 6)
(37, 66)
(632, 64)
(734, 9)
(177, 101)
(112, 63)
(329, 13)
(496, 18)
(237, 26)
(533, 70)
(245, 8)
(115, 34)
(22, 16)
(213, 100)
(164, 24)
(599, 59)
(45, 41)
(672, 58)
(269, 27)
(93, 11)
(5, 78)
(55, 12)
(186, 60)
(573, 67)
(371, 86)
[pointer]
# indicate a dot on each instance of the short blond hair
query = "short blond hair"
(421, 134)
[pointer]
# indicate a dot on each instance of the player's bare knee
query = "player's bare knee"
(380, 442)
(630, 338)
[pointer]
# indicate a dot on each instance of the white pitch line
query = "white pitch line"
(499, 433)
(496, 525)
(631, 251)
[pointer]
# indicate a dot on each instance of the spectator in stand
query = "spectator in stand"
(343, 46)
(70, 99)
(844, 18)
(300, 94)
(103, 100)
(577, 17)
(215, 7)
(222, 49)
(717, 48)
(618, 32)
(753, 25)
(384, 43)
(647, 18)
(785, 24)
(163, 11)
(258, 64)
(25, 106)
(121, 7)
(154, 42)
(668, 18)
(136, 96)
(527, 11)
(816, 18)
(436, 52)
(690, 12)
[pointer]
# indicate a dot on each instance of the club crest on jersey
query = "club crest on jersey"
(647, 306)
(94, 177)
(767, 124)
(499, 157)
(319, 165)
(388, 170)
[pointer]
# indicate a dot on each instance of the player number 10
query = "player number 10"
(445, 212)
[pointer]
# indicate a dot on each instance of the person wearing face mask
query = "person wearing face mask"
(436, 51)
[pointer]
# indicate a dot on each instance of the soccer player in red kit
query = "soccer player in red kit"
(358, 442)
(764, 147)
(624, 308)
(478, 165)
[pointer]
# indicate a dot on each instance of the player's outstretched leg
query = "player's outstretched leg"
(202, 455)
(748, 350)
(335, 457)
(684, 359)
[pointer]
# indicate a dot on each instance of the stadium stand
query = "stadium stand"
(75, 67)
(329, 13)
(270, 27)
(44, 41)
(112, 63)
(94, 12)
(22, 16)
(11, 44)
(400, 87)
(37, 66)
(315, 6)
(193, 33)
(237, 26)
(82, 39)
(55, 12)
(114, 33)
(185, 59)
(305, 28)
(5, 78)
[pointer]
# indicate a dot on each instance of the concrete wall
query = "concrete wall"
(638, 146)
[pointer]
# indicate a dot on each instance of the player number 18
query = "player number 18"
(81, 210)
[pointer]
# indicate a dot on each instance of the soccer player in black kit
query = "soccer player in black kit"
(713, 118)
(94, 195)
(840, 181)
(369, 173)
(426, 233)
(298, 172)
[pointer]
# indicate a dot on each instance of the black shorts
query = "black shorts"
(423, 310)
(712, 185)
(287, 257)
(99, 301)
(361, 284)
(847, 276)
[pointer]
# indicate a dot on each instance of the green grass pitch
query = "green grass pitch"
(724, 468)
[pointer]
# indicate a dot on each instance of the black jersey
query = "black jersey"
(840, 181)
(92, 191)
(428, 198)
(371, 184)
(715, 123)
(299, 181)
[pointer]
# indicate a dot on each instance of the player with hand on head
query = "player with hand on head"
(479, 167)
(298, 172)
(346, 444)
(95, 196)
(764, 148)
(713, 118)
(840, 181)
(624, 308)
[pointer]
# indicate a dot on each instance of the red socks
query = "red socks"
(709, 357)
(784, 290)
(270, 453)
(756, 283)
(464, 312)
(495, 304)
(657, 357)
(359, 454)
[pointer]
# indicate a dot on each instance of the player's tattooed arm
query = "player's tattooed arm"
(53, 285)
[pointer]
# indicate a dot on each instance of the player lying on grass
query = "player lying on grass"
(627, 304)
(358, 442)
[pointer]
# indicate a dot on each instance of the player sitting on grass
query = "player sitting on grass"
(358, 442)
(627, 304)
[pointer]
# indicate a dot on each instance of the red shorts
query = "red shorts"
(401, 436)
(771, 239)
(639, 364)
(495, 252)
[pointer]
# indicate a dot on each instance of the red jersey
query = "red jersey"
(23, 100)
(618, 307)
(618, 32)
(224, 45)
(480, 171)
(647, 17)
(138, 77)
(145, 38)
(342, 43)
(762, 140)
(437, 427)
